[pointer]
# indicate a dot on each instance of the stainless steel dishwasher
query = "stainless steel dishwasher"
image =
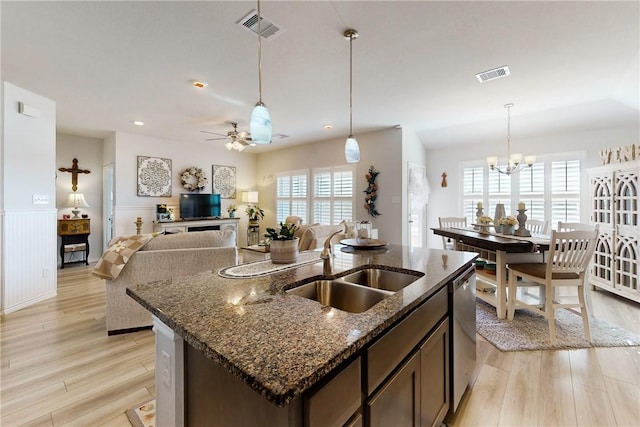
(463, 334)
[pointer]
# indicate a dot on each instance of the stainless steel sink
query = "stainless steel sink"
(381, 279)
(341, 295)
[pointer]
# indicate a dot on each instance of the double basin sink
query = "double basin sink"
(356, 292)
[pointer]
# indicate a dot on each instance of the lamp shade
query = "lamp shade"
(260, 125)
(250, 196)
(352, 150)
(76, 200)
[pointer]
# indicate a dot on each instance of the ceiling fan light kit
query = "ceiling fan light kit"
(351, 147)
(260, 124)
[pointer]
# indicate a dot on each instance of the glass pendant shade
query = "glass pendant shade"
(260, 126)
(352, 150)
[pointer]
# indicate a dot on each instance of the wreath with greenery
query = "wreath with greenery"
(193, 179)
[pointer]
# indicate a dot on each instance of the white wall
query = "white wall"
(183, 154)
(88, 151)
(381, 149)
(447, 201)
(29, 230)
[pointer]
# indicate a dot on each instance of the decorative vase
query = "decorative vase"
(254, 223)
(497, 216)
(284, 251)
(232, 214)
(508, 229)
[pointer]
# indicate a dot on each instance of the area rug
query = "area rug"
(143, 415)
(530, 331)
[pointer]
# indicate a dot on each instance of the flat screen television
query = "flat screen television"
(198, 206)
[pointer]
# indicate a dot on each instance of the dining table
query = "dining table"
(500, 249)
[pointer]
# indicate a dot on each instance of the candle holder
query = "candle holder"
(138, 224)
(522, 227)
(479, 213)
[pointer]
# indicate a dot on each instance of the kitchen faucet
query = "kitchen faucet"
(326, 255)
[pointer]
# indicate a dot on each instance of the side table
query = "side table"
(74, 234)
(254, 253)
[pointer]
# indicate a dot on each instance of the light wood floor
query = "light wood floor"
(59, 367)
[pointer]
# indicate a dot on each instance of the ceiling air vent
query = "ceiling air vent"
(268, 29)
(496, 73)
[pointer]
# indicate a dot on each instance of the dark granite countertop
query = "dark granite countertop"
(282, 344)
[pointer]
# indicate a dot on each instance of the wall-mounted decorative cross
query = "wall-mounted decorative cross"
(74, 170)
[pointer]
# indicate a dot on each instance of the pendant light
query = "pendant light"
(351, 147)
(260, 124)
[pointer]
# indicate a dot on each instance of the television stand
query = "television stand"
(182, 226)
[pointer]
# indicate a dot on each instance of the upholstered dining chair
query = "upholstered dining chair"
(450, 222)
(537, 226)
(569, 256)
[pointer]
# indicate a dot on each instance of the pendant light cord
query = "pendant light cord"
(259, 57)
(350, 86)
(508, 107)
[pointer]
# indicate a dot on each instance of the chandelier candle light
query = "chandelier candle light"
(351, 147)
(514, 162)
(260, 125)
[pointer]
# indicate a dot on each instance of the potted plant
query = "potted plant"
(283, 243)
(255, 214)
(484, 222)
(231, 210)
(508, 224)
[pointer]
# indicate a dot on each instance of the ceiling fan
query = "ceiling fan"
(236, 140)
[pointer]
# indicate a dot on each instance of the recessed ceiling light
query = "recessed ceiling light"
(138, 123)
(328, 126)
(199, 84)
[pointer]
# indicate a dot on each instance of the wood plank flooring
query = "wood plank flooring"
(59, 367)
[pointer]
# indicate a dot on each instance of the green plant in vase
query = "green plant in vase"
(255, 213)
(283, 244)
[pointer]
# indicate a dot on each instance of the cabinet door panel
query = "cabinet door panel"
(434, 374)
(397, 403)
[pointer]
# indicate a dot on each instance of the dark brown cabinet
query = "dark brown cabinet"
(397, 403)
(74, 236)
(434, 377)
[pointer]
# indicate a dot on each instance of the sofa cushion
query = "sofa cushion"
(196, 239)
(315, 236)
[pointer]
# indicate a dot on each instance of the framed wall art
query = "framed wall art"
(224, 181)
(154, 177)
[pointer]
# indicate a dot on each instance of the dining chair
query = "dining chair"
(451, 222)
(574, 226)
(537, 226)
(569, 256)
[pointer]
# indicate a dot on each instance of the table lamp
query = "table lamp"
(75, 201)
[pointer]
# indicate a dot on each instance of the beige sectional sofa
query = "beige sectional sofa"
(165, 257)
(313, 236)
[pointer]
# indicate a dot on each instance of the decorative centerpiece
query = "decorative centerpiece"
(508, 224)
(255, 214)
(231, 210)
(193, 179)
(283, 244)
(484, 222)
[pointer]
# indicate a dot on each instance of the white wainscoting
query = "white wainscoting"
(29, 258)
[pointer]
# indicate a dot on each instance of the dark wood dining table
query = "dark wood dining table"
(498, 248)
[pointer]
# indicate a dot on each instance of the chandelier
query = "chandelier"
(514, 163)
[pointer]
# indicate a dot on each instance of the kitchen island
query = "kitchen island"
(243, 351)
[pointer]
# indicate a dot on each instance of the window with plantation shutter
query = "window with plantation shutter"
(550, 189)
(333, 199)
(532, 185)
(498, 191)
(291, 195)
(472, 191)
(565, 191)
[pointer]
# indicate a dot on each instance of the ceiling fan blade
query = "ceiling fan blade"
(212, 133)
(216, 139)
